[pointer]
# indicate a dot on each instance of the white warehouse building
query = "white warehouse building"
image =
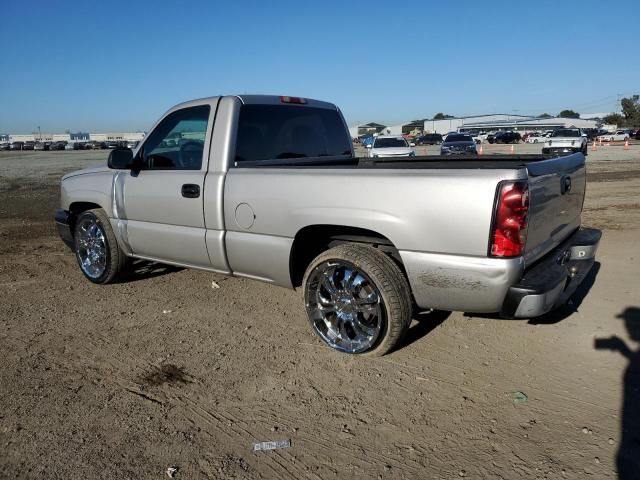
(492, 122)
(74, 137)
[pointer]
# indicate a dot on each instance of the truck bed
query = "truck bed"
(419, 162)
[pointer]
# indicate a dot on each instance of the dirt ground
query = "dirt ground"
(124, 381)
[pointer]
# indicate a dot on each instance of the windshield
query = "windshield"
(566, 133)
(397, 142)
(458, 138)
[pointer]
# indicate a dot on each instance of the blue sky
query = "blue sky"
(116, 66)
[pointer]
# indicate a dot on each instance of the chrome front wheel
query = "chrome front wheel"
(91, 247)
(99, 256)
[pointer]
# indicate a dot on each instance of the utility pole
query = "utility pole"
(619, 102)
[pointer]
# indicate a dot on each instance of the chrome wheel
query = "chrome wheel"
(91, 248)
(345, 307)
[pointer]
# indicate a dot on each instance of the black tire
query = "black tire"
(115, 261)
(390, 283)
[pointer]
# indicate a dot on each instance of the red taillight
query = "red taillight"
(510, 220)
(298, 100)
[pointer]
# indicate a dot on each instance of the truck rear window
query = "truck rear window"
(269, 132)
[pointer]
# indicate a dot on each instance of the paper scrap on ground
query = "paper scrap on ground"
(271, 445)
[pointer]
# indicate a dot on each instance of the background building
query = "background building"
(490, 122)
(73, 137)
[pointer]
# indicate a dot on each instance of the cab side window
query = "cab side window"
(177, 143)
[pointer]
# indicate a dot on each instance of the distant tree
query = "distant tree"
(545, 115)
(613, 119)
(631, 110)
(442, 116)
(569, 114)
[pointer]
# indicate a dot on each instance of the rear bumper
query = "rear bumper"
(551, 282)
(63, 224)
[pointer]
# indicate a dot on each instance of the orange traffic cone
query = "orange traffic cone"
(626, 144)
(481, 151)
(513, 149)
(593, 147)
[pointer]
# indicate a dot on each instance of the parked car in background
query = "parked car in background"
(537, 137)
(458, 144)
(490, 137)
(507, 137)
(5, 146)
(591, 133)
(29, 145)
(57, 146)
(39, 146)
(17, 145)
(367, 140)
(390, 146)
(484, 137)
(638, 134)
(429, 139)
(566, 140)
(617, 136)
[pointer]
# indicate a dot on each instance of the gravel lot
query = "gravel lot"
(124, 381)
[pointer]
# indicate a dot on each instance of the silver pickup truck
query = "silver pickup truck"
(268, 188)
(566, 140)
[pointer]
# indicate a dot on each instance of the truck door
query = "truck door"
(163, 201)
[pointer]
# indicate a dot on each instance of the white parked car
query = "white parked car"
(618, 136)
(390, 146)
(483, 136)
(539, 137)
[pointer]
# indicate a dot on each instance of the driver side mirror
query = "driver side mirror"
(120, 158)
(412, 144)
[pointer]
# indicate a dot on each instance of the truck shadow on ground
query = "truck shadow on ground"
(628, 457)
(425, 323)
(574, 302)
(144, 269)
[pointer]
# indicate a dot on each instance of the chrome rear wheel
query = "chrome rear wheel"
(344, 306)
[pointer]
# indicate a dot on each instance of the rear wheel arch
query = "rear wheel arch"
(312, 240)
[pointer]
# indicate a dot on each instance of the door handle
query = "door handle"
(190, 190)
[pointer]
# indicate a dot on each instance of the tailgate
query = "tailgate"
(556, 193)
